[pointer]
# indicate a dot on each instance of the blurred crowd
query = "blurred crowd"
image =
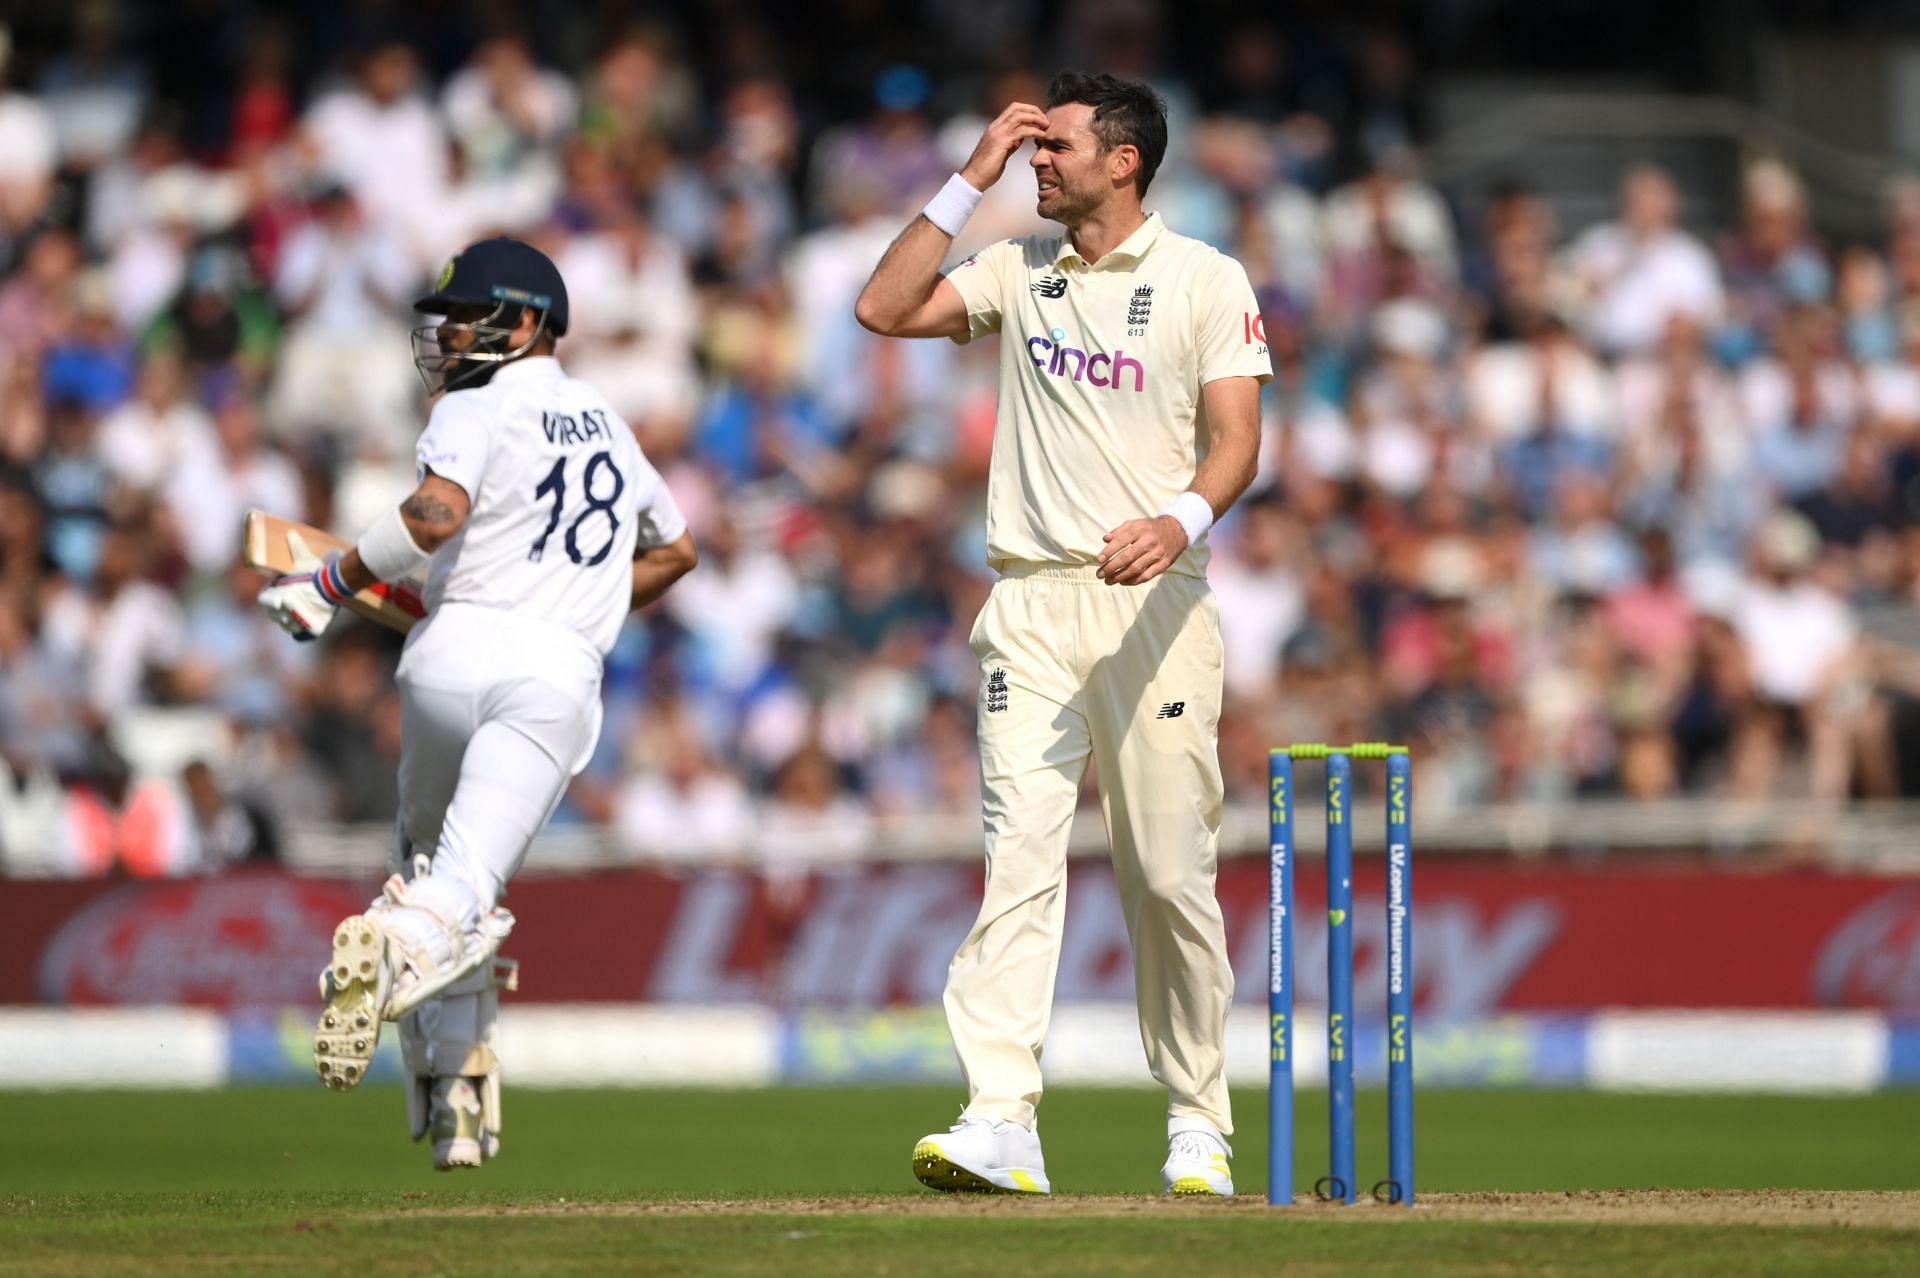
(1621, 509)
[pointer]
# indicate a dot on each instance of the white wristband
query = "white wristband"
(1193, 513)
(950, 209)
(388, 549)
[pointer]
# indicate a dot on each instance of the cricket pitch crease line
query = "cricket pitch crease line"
(1878, 1209)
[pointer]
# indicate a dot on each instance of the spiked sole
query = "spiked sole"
(349, 1027)
(454, 1155)
(1196, 1187)
(932, 1169)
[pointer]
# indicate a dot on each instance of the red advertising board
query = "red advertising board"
(1488, 937)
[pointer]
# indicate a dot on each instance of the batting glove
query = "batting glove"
(304, 601)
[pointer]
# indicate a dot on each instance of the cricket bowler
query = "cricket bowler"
(541, 525)
(1131, 360)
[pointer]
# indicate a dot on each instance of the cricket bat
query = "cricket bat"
(395, 605)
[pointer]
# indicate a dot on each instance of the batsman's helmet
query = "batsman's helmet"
(504, 278)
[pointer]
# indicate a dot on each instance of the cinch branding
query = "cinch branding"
(1052, 355)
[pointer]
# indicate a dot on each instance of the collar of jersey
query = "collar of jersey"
(1134, 247)
(526, 368)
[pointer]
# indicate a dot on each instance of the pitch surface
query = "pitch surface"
(815, 1181)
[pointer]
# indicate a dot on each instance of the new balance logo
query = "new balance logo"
(1172, 710)
(1050, 286)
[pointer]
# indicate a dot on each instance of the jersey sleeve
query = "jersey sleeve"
(981, 280)
(456, 443)
(661, 522)
(1230, 337)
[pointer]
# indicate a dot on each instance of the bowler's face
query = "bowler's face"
(1069, 164)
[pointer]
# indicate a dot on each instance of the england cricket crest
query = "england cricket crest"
(996, 691)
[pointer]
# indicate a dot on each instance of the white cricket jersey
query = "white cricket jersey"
(561, 497)
(1101, 365)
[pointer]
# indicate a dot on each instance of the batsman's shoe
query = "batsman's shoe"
(983, 1156)
(416, 941)
(1198, 1163)
(356, 987)
(457, 1123)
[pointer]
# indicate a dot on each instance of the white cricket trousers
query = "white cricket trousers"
(1073, 669)
(498, 713)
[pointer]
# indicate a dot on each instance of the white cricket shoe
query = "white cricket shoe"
(414, 942)
(356, 987)
(1197, 1163)
(457, 1123)
(979, 1155)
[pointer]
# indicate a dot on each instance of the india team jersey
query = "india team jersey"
(1101, 366)
(561, 497)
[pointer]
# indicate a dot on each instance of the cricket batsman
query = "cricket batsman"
(1131, 360)
(541, 525)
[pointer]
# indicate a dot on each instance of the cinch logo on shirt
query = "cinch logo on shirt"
(1052, 355)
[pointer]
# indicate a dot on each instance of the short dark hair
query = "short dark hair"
(1125, 113)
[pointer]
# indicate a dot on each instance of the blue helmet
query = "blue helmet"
(498, 280)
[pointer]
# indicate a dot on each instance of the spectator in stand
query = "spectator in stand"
(745, 596)
(892, 147)
(1798, 637)
(1863, 293)
(29, 152)
(235, 659)
(1633, 276)
(1508, 279)
(1804, 366)
(508, 114)
(37, 300)
(212, 489)
(353, 730)
(510, 121)
(46, 724)
(1581, 550)
(1653, 620)
(226, 830)
(1386, 235)
(384, 141)
(686, 807)
(1890, 388)
(638, 317)
(639, 95)
(1406, 404)
(154, 431)
(1799, 411)
(1546, 382)
(221, 319)
(1678, 392)
(1772, 263)
(91, 363)
(76, 488)
(812, 818)
(1262, 600)
(344, 368)
(1859, 504)
(124, 631)
(94, 92)
(263, 115)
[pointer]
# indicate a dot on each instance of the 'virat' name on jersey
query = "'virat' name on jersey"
(567, 430)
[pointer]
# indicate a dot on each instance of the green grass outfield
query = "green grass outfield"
(302, 1181)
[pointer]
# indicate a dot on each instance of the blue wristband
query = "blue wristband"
(332, 583)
